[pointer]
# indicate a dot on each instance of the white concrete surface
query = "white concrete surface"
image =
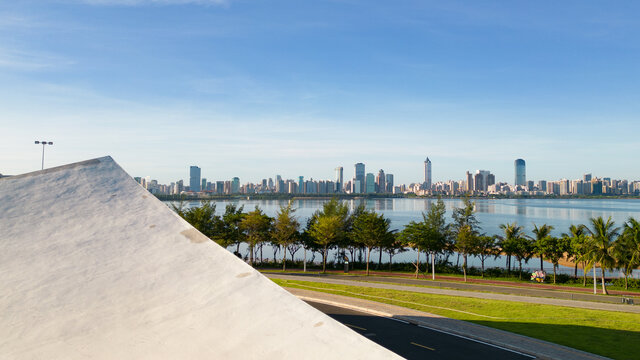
(92, 266)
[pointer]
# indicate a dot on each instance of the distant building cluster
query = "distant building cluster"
(480, 183)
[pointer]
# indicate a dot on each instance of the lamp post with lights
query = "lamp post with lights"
(43, 145)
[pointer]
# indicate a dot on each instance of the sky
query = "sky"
(256, 89)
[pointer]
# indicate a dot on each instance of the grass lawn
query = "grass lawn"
(607, 333)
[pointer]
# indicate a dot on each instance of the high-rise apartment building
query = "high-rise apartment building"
(520, 172)
(427, 174)
(370, 183)
(359, 175)
(381, 182)
(235, 185)
(389, 183)
(339, 179)
(194, 178)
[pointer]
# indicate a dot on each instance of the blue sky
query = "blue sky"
(259, 88)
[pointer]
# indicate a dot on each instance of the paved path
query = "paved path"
(473, 294)
(468, 331)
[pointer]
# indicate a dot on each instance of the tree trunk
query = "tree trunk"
(390, 261)
(541, 263)
(575, 270)
(482, 267)
(304, 261)
(260, 254)
(520, 269)
(368, 255)
(418, 264)
(584, 274)
(324, 260)
(284, 258)
(380, 258)
(554, 274)
(458, 260)
(625, 281)
(251, 255)
(433, 266)
(604, 287)
(464, 267)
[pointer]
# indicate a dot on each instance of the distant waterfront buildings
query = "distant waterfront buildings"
(480, 183)
(427, 174)
(359, 178)
(520, 172)
(194, 179)
(339, 179)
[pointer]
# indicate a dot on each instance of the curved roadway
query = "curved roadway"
(414, 341)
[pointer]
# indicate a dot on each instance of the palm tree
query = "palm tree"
(516, 243)
(541, 233)
(626, 249)
(576, 238)
(603, 235)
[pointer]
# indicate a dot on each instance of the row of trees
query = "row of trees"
(335, 227)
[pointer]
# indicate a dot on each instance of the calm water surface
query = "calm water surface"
(560, 213)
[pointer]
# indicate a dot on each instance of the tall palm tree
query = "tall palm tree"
(576, 234)
(579, 244)
(541, 233)
(603, 235)
(626, 249)
(514, 242)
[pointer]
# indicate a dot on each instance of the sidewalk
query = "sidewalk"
(473, 294)
(540, 349)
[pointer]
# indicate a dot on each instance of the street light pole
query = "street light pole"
(43, 144)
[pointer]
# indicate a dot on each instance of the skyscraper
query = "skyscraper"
(339, 179)
(194, 178)
(521, 172)
(235, 185)
(389, 183)
(370, 182)
(381, 182)
(427, 174)
(359, 175)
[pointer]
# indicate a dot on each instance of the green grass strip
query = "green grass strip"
(607, 333)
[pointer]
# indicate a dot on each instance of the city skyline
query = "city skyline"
(238, 87)
(363, 182)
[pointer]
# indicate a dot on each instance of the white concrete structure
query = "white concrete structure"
(93, 266)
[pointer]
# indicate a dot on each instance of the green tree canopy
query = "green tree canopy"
(257, 227)
(286, 229)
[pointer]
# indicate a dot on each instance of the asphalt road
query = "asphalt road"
(415, 342)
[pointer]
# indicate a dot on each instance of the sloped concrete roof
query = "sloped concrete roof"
(93, 266)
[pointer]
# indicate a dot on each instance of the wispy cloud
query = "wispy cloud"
(154, 2)
(22, 60)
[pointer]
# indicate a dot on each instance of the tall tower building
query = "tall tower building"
(194, 178)
(427, 174)
(389, 183)
(359, 175)
(339, 179)
(521, 172)
(381, 186)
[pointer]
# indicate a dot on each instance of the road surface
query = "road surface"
(415, 342)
